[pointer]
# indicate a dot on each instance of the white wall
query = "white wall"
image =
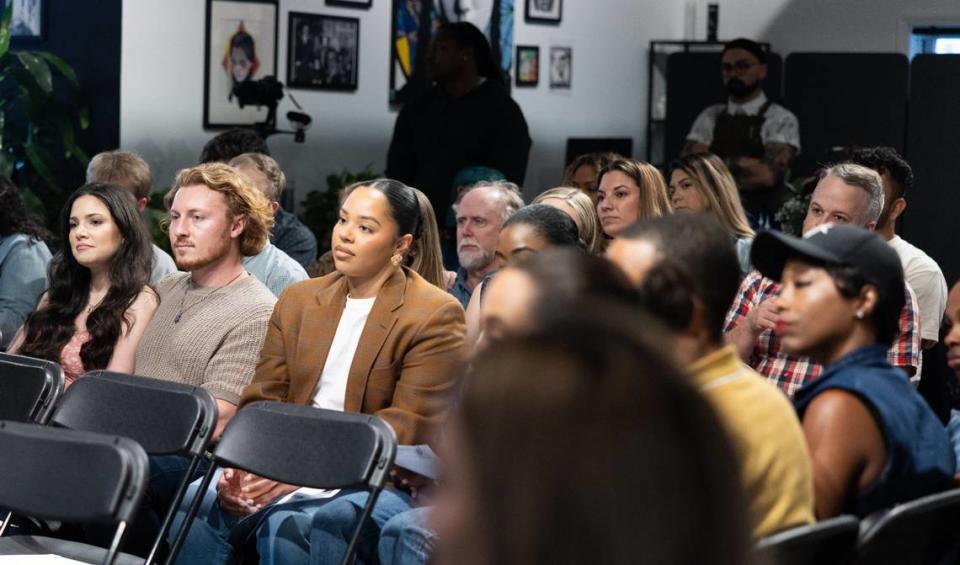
(161, 111)
(162, 73)
(828, 25)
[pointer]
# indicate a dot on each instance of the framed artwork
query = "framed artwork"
(323, 52)
(240, 47)
(359, 4)
(528, 65)
(544, 11)
(27, 20)
(415, 22)
(561, 67)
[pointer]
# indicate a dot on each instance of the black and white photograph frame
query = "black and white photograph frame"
(527, 66)
(28, 19)
(323, 52)
(544, 11)
(240, 46)
(355, 4)
(561, 67)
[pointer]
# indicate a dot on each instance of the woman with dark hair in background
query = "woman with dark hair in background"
(465, 119)
(23, 261)
(582, 172)
(98, 303)
(371, 321)
(582, 443)
(873, 440)
(528, 231)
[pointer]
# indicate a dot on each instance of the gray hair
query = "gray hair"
(865, 178)
(509, 193)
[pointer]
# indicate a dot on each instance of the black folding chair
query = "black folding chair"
(162, 416)
(306, 446)
(57, 474)
(29, 388)
(919, 532)
(830, 542)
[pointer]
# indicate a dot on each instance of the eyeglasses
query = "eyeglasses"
(738, 66)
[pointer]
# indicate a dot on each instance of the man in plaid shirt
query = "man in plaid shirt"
(846, 193)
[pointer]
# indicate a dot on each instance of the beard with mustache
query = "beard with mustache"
(739, 89)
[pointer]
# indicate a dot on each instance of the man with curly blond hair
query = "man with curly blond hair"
(213, 317)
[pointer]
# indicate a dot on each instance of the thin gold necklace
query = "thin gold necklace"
(182, 310)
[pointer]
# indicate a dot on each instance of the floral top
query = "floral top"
(70, 357)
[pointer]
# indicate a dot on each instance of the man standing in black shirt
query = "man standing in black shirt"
(465, 119)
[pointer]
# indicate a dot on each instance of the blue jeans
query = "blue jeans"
(333, 526)
(166, 473)
(216, 535)
(405, 539)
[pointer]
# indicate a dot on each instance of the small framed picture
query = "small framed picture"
(528, 65)
(561, 67)
(323, 53)
(358, 4)
(241, 48)
(28, 18)
(544, 11)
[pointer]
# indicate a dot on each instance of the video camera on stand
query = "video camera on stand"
(268, 92)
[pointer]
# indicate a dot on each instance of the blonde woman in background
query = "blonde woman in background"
(580, 208)
(629, 190)
(701, 183)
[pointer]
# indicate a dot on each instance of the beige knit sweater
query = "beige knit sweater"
(216, 343)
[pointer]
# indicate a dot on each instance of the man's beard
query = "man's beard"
(472, 260)
(195, 261)
(739, 89)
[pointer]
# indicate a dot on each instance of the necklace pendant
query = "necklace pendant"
(176, 319)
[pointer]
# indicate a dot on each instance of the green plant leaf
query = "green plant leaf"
(5, 28)
(62, 66)
(38, 69)
(40, 163)
(84, 118)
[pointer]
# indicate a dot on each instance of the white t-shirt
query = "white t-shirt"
(779, 124)
(926, 279)
(333, 379)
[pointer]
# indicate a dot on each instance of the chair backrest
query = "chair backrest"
(308, 446)
(28, 388)
(925, 530)
(163, 417)
(68, 475)
(829, 542)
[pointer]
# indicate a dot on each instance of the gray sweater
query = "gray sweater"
(216, 343)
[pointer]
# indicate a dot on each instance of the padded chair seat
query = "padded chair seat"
(81, 552)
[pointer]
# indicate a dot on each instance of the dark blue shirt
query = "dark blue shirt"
(460, 290)
(920, 459)
(294, 238)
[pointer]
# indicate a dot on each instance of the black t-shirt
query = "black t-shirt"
(435, 136)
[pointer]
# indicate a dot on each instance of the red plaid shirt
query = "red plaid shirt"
(789, 372)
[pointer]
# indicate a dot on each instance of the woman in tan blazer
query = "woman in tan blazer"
(372, 337)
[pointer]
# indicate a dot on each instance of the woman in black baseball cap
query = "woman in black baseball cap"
(873, 440)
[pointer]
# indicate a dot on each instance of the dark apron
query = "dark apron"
(741, 136)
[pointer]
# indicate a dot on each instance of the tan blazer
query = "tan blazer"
(405, 367)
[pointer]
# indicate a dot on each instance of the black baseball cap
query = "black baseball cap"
(833, 244)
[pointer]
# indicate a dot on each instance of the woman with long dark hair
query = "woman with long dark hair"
(98, 302)
(24, 258)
